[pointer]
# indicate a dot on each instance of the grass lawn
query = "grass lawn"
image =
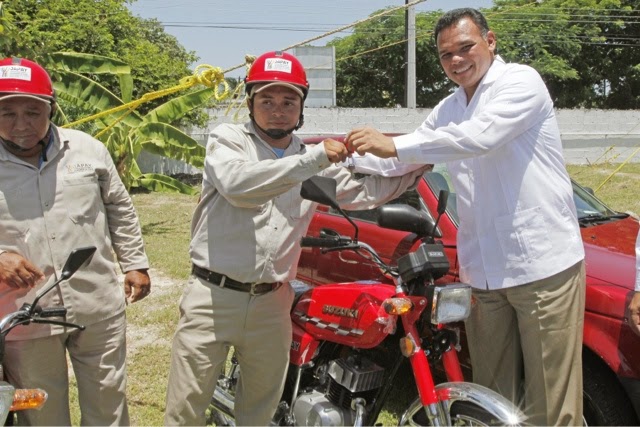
(165, 222)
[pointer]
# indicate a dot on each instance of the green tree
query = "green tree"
(585, 50)
(106, 28)
(371, 64)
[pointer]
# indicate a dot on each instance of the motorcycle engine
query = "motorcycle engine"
(348, 379)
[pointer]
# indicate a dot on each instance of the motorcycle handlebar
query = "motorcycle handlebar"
(323, 242)
(53, 312)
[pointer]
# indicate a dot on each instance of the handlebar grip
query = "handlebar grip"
(321, 242)
(53, 312)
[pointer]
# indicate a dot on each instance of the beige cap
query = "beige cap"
(8, 95)
(257, 88)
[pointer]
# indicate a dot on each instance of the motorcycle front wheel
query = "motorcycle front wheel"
(467, 404)
(462, 414)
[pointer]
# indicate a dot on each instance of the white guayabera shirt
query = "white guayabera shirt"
(518, 221)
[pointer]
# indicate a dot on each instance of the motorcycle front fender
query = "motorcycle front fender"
(448, 393)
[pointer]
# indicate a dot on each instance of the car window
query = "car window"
(587, 204)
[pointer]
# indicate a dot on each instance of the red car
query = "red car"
(611, 353)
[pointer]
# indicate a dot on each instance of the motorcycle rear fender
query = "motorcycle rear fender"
(448, 393)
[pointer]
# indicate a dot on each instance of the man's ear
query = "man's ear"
(54, 106)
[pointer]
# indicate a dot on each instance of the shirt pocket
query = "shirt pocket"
(294, 205)
(523, 236)
(81, 196)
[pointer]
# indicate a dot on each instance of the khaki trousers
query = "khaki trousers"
(533, 331)
(97, 355)
(212, 319)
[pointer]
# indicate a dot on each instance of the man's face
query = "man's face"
(277, 107)
(24, 121)
(465, 55)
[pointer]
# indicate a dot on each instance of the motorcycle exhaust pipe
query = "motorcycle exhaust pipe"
(223, 402)
(357, 405)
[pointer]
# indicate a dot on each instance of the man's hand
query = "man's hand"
(633, 313)
(137, 285)
(369, 140)
(336, 151)
(16, 272)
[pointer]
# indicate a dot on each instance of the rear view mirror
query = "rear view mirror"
(406, 218)
(320, 189)
(76, 259)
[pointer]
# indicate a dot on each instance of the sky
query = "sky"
(221, 32)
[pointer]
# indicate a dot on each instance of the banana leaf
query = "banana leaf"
(177, 107)
(95, 64)
(93, 97)
(167, 141)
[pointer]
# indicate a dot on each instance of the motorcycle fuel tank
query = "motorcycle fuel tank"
(349, 313)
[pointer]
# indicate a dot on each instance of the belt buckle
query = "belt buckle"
(252, 290)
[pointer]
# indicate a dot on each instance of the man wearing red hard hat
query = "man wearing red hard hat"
(59, 190)
(245, 245)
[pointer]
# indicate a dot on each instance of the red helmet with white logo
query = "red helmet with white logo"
(21, 77)
(278, 68)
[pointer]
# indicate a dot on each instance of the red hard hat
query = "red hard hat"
(279, 68)
(21, 77)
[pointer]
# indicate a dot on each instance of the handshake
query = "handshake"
(361, 141)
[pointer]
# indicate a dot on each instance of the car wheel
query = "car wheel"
(605, 400)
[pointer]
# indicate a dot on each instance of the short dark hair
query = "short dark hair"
(453, 16)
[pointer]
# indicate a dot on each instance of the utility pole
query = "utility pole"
(410, 56)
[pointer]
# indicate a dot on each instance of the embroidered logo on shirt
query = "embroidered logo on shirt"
(79, 167)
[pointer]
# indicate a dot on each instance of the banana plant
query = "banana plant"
(126, 135)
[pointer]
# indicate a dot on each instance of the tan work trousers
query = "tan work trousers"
(97, 355)
(212, 319)
(533, 331)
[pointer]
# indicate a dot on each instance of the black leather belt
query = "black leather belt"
(226, 282)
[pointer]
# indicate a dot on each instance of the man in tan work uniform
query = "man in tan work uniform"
(59, 190)
(245, 246)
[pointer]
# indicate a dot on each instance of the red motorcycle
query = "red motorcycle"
(351, 339)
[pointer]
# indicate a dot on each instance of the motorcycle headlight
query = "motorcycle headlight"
(6, 399)
(450, 303)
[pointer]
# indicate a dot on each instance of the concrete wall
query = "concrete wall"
(589, 136)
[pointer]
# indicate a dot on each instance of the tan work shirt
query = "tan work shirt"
(250, 218)
(74, 199)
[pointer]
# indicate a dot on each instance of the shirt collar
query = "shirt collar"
(296, 142)
(492, 74)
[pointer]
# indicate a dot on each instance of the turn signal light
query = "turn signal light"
(28, 398)
(397, 306)
(407, 346)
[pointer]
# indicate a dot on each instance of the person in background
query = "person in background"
(59, 190)
(498, 135)
(245, 245)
